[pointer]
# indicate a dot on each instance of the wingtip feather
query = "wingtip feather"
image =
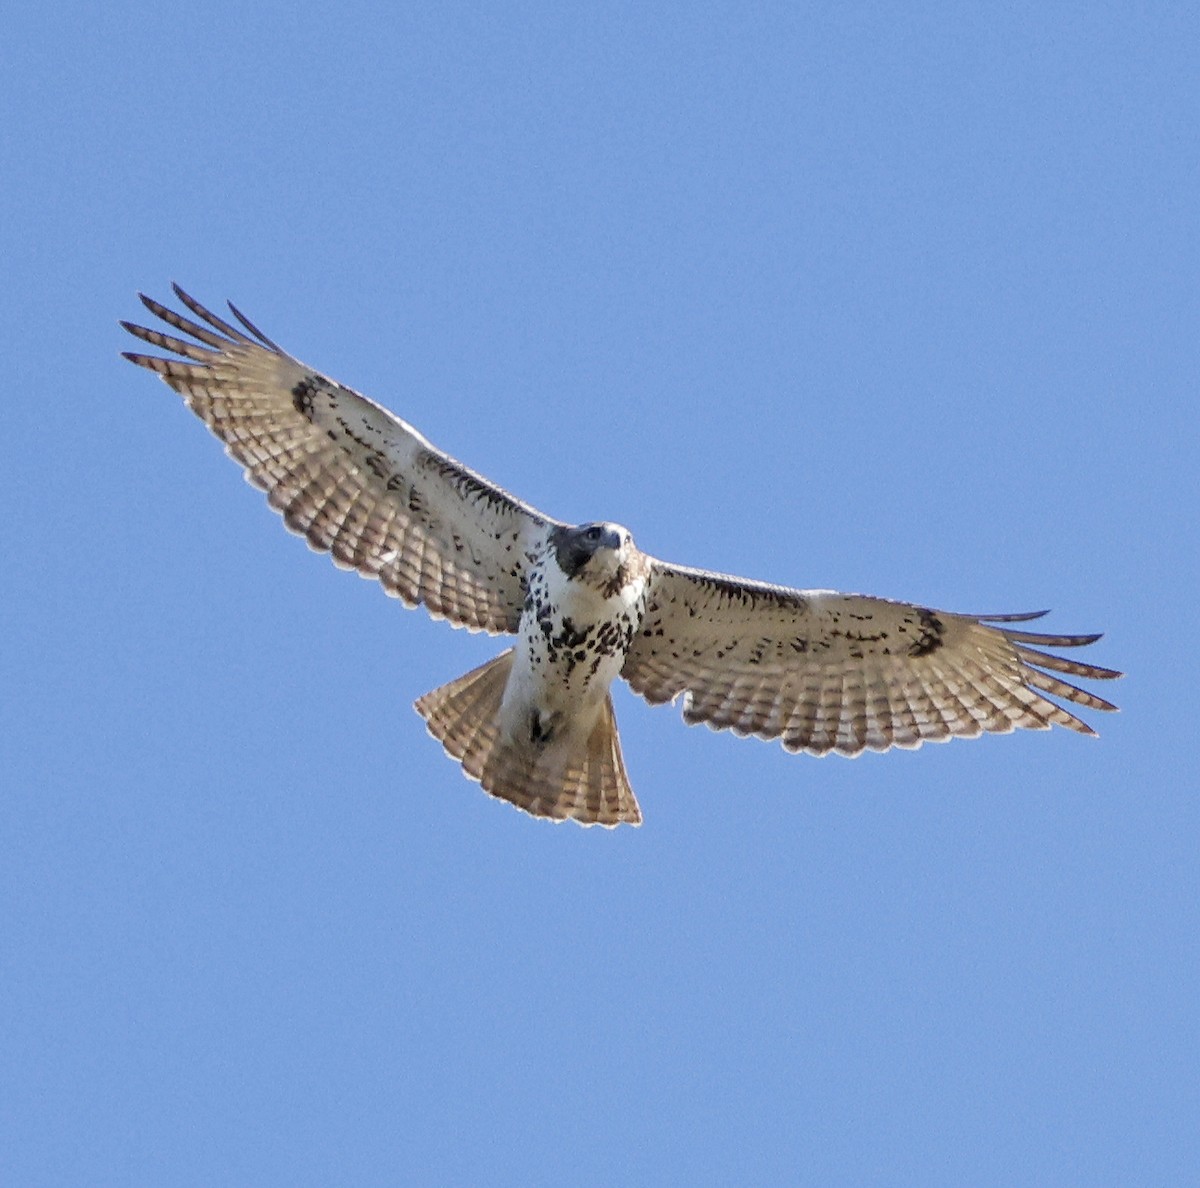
(1014, 617)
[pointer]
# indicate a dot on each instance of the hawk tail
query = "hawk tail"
(584, 781)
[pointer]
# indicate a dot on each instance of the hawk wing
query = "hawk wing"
(353, 479)
(843, 672)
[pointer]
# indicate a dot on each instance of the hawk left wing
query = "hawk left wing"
(349, 476)
(844, 672)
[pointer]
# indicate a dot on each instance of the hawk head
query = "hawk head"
(594, 552)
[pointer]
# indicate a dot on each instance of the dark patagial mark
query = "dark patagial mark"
(465, 481)
(929, 638)
(751, 594)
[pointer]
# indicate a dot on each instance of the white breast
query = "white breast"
(571, 647)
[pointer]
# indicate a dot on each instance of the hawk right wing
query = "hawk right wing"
(824, 672)
(349, 476)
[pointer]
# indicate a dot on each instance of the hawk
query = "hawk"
(818, 670)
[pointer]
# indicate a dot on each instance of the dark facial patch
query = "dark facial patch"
(572, 549)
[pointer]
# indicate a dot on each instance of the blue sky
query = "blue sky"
(902, 302)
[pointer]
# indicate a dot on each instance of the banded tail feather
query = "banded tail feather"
(579, 777)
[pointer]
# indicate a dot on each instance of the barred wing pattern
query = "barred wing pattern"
(844, 672)
(349, 476)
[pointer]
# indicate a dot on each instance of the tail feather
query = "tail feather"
(464, 714)
(585, 782)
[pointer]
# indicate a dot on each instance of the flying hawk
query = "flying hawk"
(820, 671)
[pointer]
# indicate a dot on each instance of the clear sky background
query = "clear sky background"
(897, 299)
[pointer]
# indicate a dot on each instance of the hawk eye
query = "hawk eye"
(592, 534)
